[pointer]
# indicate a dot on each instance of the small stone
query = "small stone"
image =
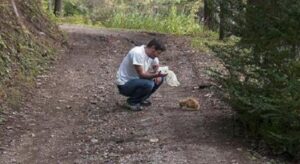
(42, 33)
(209, 95)
(9, 127)
(93, 102)
(94, 140)
(154, 140)
(61, 101)
(253, 158)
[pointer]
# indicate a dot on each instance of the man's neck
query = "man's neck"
(147, 51)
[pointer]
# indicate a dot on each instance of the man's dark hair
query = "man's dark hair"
(158, 45)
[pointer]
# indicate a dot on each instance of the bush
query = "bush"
(72, 8)
(262, 77)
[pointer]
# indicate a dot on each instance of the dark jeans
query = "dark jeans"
(138, 90)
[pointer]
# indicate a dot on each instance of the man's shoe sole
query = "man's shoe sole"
(133, 108)
(146, 103)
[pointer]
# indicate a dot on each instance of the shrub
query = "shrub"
(262, 77)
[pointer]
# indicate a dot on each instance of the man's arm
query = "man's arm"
(147, 75)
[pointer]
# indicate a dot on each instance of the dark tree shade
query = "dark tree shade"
(57, 7)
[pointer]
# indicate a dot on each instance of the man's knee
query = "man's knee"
(149, 85)
(158, 81)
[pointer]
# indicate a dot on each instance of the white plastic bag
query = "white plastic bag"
(171, 78)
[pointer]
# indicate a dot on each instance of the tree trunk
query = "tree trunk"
(207, 14)
(50, 5)
(222, 21)
(57, 7)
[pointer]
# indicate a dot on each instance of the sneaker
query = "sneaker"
(136, 107)
(146, 103)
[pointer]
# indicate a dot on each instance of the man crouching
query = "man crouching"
(135, 79)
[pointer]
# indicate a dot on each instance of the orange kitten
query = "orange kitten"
(190, 103)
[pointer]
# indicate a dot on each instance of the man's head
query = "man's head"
(154, 48)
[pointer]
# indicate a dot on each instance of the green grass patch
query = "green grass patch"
(204, 40)
(173, 22)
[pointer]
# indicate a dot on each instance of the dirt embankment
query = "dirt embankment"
(28, 40)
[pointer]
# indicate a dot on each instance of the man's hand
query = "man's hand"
(147, 75)
(159, 74)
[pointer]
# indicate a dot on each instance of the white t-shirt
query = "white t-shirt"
(136, 56)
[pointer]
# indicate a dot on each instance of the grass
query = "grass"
(172, 22)
(78, 19)
(209, 38)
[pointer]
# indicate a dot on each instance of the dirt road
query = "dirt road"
(74, 114)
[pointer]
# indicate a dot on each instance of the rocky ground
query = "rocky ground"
(75, 114)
